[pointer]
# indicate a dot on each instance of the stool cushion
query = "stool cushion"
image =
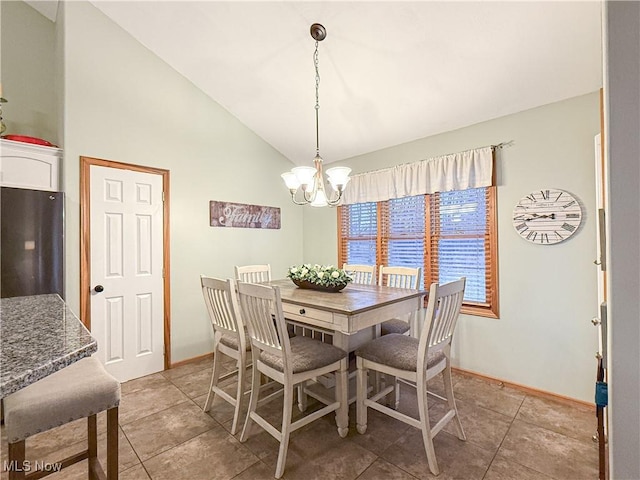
(306, 354)
(80, 390)
(397, 351)
(395, 325)
(231, 341)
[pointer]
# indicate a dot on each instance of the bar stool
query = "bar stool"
(81, 390)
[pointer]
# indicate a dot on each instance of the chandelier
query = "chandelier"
(306, 184)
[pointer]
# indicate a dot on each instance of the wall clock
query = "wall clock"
(547, 216)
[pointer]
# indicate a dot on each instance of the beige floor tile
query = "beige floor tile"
(382, 431)
(381, 469)
(340, 462)
(143, 383)
(257, 471)
(262, 443)
(221, 410)
(188, 368)
(503, 469)
(456, 459)
(161, 415)
(127, 456)
(317, 452)
(549, 452)
(483, 427)
(501, 399)
(134, 473)
(259, 442)
(194, 384)
(144, 402)
(574, 421)
(161, 431)
(213, 455)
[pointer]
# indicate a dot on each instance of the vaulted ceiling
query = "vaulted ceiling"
(390, 72)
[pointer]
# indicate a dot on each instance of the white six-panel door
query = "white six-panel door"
(127, 305)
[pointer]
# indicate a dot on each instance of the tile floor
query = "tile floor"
(165, 435)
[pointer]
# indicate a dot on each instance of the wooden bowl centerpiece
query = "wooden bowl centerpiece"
(325, 278)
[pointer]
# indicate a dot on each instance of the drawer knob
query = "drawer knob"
(302, 311)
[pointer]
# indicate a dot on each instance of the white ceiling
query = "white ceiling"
(391, 72)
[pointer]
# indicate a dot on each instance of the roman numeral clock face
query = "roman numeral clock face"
(547, 216)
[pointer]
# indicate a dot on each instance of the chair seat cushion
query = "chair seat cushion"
(82, 389)
(397, 351)
(306, 354)
(394, 325)
(231, 341)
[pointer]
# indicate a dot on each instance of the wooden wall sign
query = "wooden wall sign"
(240, 215)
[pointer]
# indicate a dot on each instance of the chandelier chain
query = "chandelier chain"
(317, 107)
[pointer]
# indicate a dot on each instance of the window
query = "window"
(448, 234)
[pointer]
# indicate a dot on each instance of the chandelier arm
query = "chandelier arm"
(311, 193)
(338, 197)
(296, 202)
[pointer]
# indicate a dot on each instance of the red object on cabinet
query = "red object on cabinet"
(26, 139)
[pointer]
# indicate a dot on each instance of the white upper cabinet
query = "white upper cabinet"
(26, 165)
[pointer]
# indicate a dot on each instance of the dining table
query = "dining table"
(39, 335)
(353, 315)
(347, 319)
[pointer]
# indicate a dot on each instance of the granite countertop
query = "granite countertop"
(39, 335)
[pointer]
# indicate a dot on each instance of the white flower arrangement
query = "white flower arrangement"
(324, 275)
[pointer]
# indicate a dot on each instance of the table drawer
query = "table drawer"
(307, 314)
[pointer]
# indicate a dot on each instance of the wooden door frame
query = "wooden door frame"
(85, 242)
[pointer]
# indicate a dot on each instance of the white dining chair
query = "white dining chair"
(362, 274)
(229, 338)
(253, 273)
(399, 277)
(415, 361)
(288, 361)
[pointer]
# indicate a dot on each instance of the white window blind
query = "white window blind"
(403, 232)
(459, 239)
(359, 234)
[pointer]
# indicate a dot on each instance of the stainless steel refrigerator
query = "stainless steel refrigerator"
(31, 242)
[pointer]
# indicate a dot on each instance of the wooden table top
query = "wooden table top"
(353, 299)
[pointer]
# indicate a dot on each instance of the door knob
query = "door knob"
(98, 288)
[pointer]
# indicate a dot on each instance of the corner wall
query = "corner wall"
(543, 338)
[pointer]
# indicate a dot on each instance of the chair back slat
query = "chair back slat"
(400, 277)
(441, 318)
(253, 273)
(222, 306)
(261, 308)
(363, 274)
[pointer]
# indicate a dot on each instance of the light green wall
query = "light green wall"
(123, 103)
(28, 72)
(544, 338)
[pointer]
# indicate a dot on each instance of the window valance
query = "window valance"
(456, 171)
